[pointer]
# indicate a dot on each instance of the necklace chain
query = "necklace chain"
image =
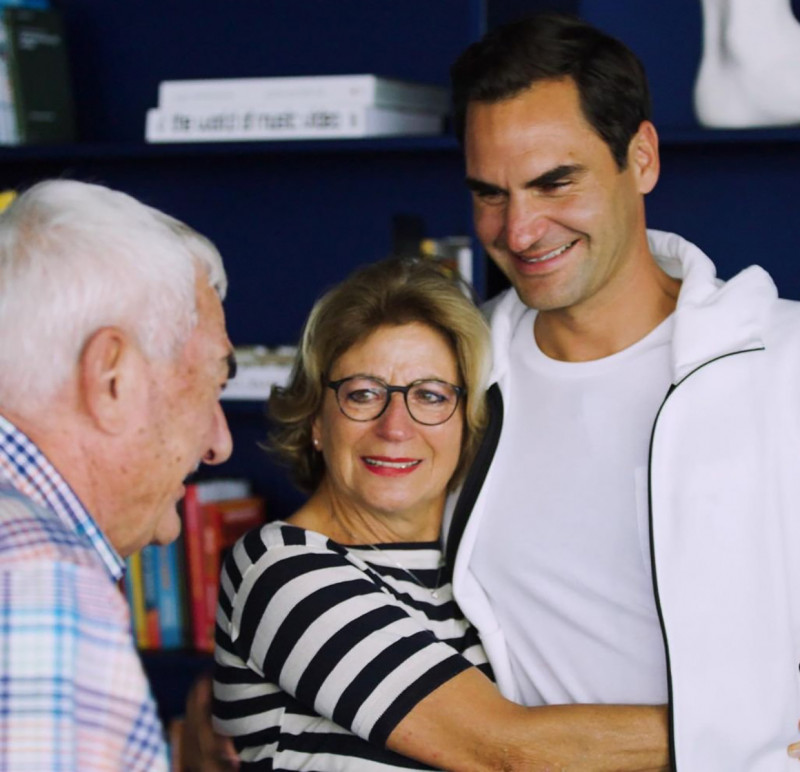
(434, 591)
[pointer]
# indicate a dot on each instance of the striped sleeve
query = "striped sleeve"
(311, 617)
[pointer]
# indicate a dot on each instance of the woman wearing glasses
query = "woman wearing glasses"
(339, 645)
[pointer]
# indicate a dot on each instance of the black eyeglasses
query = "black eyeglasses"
(429, 402)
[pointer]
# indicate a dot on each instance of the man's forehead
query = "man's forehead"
(209, 337)
(517, 150)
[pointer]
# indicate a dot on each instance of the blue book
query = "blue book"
(169, 596)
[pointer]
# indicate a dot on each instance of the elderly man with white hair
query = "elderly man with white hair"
(113, 355)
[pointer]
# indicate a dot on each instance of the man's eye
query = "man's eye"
(554, 187)
(490, 197)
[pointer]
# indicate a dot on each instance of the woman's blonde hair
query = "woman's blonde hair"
(394, 291)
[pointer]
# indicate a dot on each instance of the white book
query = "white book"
(321, 122)
(353, 90)
(258, 369)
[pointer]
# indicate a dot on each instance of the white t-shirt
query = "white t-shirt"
(563, 552)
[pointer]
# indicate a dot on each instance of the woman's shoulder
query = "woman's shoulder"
(279, 541)
(281, 533)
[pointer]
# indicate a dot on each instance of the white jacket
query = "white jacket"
(724, 486)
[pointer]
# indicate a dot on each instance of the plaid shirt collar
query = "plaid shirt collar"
(27, 470)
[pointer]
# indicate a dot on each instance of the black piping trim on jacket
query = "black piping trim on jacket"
(670, 391)
(475, 477)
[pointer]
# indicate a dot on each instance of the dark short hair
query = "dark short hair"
(611, 81)
(390, 292)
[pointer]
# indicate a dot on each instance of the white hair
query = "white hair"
(77, 257)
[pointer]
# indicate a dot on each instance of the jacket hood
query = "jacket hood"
(712, 317)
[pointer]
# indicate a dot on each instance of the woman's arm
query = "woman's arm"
(466, 724)
(311, 621)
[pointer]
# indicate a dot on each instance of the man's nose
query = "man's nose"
(221, 443)
(526, 223)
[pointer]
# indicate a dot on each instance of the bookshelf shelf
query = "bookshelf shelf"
(135, 151)
(675, 137)
(446, 143)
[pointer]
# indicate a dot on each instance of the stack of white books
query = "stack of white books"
(258, 369)
(295, 107)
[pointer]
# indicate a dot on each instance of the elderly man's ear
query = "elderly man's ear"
(112, 379)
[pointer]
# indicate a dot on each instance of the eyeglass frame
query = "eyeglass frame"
(390, 389)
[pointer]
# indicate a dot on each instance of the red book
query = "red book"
(193, 540)
(203, 544)
(238, 516)
(223, 523)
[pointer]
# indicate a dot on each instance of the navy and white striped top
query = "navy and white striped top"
(322, 647)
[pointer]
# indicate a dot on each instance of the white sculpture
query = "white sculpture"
(749, 73)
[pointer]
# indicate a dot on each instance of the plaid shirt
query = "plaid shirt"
(73, 695)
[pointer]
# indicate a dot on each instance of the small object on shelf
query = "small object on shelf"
(39, 77)
(453, 252)
(6, 196)
(258, 369)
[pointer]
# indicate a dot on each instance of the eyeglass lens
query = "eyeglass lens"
(429, 402)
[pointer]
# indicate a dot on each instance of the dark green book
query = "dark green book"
(38, 69)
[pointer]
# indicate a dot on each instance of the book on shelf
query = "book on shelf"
(134, 591)
(8, 119)
(172, 589)
(169, 594)
(258, 369)
(359, 90)
(208, 527)
(39, 76)
(329, 121)
(233, 518)
(150, 593)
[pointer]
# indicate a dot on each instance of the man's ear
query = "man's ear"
(643, 157)
(109, 376)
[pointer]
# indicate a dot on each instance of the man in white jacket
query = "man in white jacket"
(626, 533)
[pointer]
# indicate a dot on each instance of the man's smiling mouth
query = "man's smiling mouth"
(549, 255)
